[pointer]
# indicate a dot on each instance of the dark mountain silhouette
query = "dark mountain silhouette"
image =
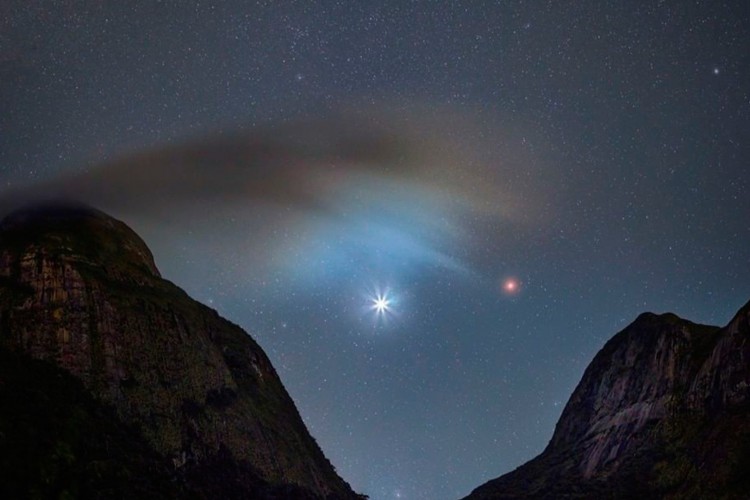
(115, 384)
(663, 411)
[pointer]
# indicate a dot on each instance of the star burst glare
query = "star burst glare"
(381, 304)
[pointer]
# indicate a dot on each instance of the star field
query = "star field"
(431, 216)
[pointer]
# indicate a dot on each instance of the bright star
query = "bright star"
(380, 304)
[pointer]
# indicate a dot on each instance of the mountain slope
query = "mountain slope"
(57, 441)
(661, 412)
(80, 290)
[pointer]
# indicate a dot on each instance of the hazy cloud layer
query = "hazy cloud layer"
(345, 183)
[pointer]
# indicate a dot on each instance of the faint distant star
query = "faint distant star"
(716, 71)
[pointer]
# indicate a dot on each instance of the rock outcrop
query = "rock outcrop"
(661, 412)
(80, 290)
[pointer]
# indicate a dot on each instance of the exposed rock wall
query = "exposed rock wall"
(661, 412)
(631, 383)
(80, 290)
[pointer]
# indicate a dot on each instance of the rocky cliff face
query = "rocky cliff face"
(661, 412)
(80, 290)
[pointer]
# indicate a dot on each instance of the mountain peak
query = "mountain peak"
(81, 233)
(652, 318)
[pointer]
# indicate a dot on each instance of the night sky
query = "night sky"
(516, 181)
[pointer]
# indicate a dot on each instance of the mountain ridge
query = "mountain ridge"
(80, 290)
(660, 412)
